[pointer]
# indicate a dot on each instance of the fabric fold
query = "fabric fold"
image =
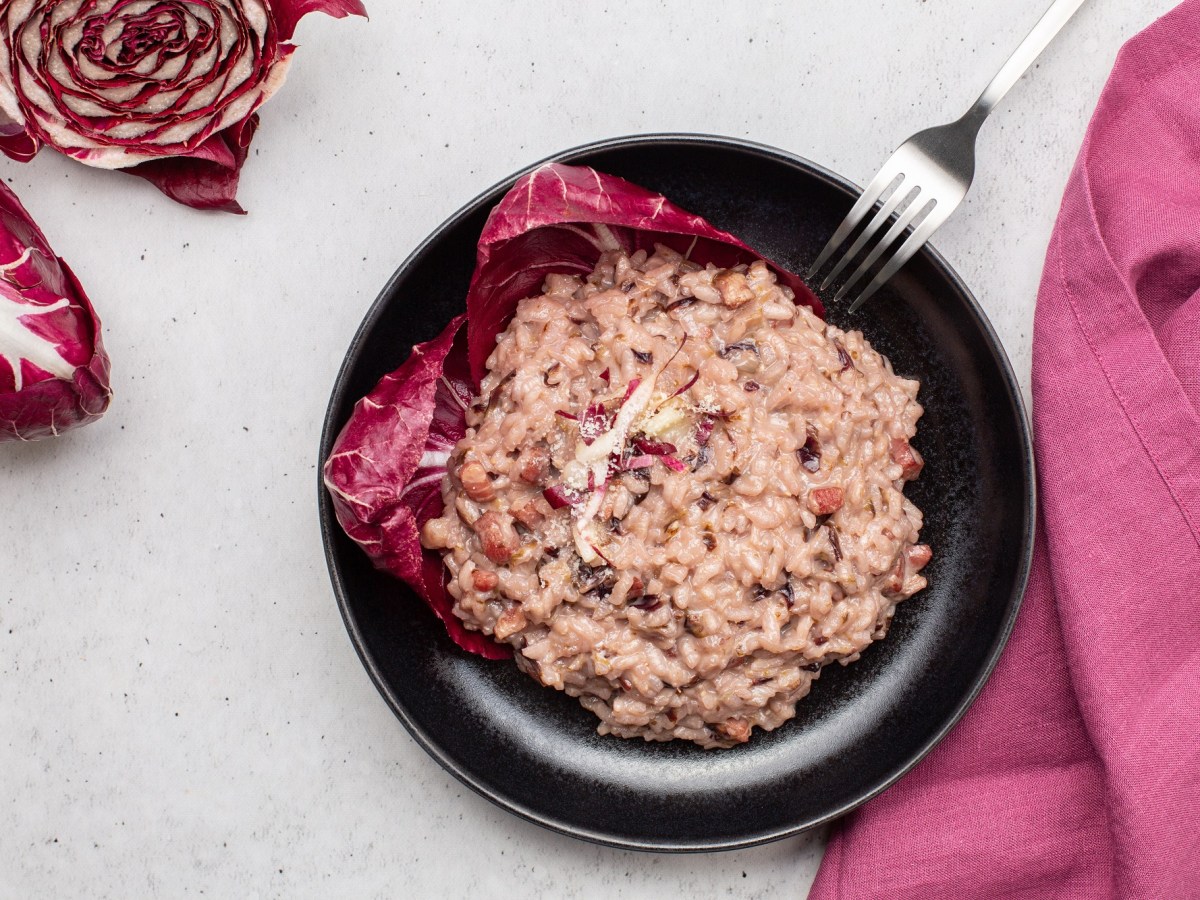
(1077, 772)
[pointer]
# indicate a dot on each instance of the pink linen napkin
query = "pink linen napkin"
(1077, 772)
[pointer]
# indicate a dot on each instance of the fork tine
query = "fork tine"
(902, 222)
(881, 217)
(869, 197)
(915, 242)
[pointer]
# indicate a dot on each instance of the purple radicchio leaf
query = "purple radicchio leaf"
(547, 223)
(208, 177)
(687, 384)
(385, 472)
(652, 447)
(596, 420)
(53, 368)
(560, 496)
(289, 12)
(675, 465)
(810, 453)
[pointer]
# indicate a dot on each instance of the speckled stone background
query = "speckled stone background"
(181, 711)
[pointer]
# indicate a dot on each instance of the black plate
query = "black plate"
(533, 750)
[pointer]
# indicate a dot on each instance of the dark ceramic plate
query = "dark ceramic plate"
(535, 751)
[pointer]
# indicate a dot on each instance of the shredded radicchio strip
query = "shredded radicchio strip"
(786, 592)
(843, 356)
(706, 500)
(695, 377)
(653, 447)
(810, 454)
(835, 543)
(560, 497)
(566, 415)
(648, 603)
(643, 356)
(643, 461)
(740, 345)
(590, 578)
(605, 377)
(496, 391)
(673, 464)
(751, 386)
(704, 429)
(633, 386)
(596, 420)
(600, 554)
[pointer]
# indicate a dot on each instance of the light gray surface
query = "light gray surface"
(182, 712)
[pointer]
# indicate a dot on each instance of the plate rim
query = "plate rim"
(330, 429)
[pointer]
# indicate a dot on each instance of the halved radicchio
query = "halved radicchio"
(166, 90)
(385, 471)
(53, 369)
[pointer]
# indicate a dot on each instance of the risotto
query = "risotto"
(680, 495)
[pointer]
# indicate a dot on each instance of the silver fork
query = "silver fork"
(928, 175)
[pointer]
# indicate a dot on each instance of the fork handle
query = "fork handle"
(1030, 49)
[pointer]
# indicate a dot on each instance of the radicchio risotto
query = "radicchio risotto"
(680, 495)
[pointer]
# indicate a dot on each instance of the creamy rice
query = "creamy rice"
(680, 495)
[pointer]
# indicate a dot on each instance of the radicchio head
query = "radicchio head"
(166, 90)
(53, 369)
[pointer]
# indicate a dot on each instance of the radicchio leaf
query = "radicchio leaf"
(547, 224)
(634, 463)
(675, 465)
(596, 420)
(810, 453)
(289, 12)
(385, 472)
(687, 385)
(207, 178)
(653, 447)
(560, 497)
(53, 368)
(843, 356)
